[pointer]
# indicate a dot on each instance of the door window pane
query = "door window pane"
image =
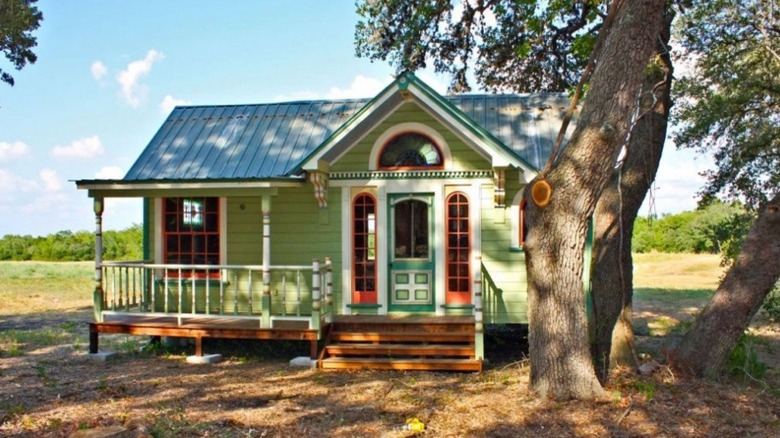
(411, 230)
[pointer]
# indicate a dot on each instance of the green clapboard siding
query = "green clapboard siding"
(298, 236)
(505, 267)
(464, 158)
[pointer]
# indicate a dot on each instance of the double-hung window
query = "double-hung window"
(191, 232)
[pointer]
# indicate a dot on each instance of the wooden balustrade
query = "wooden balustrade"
(298, 292)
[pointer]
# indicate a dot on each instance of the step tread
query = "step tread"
(401, 349)
(410, 336)
(447, 364)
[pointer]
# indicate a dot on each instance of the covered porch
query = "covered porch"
(213, 301)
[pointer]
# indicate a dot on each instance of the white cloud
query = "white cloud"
(110, 172)
(362, 86)
(129, 78)
(98, 70)
(51, 182)
(12, 185)
(9, 151)
(677, 181)
(169, 103)
(87, 147)
(299, 95)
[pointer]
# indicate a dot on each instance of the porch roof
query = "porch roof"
(267, 142)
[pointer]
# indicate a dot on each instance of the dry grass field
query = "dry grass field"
(48, 387)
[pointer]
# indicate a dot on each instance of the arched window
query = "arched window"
(410, 150)
(364, 250)
(458, 249)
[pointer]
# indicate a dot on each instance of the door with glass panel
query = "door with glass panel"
(411, 270)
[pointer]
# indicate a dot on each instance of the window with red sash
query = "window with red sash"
(364, 250)
(458, 249)
(191, 233)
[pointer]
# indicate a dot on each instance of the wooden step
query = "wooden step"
(393, 326)
(427, 364)
(398, 350)
(411, 336)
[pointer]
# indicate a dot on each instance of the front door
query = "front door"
(411, 255)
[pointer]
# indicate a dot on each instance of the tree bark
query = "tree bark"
(612, 332)
(561, 364)
(717, 330)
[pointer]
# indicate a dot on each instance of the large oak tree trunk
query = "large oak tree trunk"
(717, 330)
(561, 364)
(612, 332)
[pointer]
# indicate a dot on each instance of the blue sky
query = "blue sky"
(108, 73)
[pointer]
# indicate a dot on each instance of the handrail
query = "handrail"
(491, 293)
(230, 290)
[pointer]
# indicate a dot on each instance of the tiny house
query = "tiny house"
(386, 232)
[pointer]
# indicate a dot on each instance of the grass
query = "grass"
(35, 287)
(689, 272)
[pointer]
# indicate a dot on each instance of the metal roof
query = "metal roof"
(264, 141)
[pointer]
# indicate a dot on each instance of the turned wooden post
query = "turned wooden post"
(266, 303)
(98, 294)
(479, 327)
(315, 295)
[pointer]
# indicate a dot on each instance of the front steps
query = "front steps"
(427, 343)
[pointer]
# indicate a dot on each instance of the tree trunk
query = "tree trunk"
(561, 364)
(612, 332)
(724, 319)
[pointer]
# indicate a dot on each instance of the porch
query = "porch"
(279, 303)
(213, 301)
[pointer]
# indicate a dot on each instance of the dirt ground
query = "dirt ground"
(57, 391)
(50, 388)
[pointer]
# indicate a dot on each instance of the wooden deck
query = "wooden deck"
(391, 342)
(199, 328)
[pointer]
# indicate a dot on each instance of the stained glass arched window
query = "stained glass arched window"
(410, 150)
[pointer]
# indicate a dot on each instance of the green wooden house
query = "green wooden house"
(387, 232)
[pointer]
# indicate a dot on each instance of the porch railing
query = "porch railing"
(492, 295)
(290, 292)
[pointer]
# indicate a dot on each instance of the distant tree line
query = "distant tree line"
(718, 228)
(65, 246)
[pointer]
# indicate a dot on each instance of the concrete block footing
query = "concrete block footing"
(205, 359)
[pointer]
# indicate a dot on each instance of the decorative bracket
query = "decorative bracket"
(499, 184)
(320, 182)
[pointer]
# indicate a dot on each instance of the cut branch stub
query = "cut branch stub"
(541, 193)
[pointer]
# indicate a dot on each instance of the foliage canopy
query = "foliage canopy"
(18, 19)
(729, 105)
(525, 45)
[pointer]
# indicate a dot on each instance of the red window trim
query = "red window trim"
(178, 214)
(460, 296)
(522, 230)
(391, 139)
(365, 296)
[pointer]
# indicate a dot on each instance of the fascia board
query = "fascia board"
(311, 162)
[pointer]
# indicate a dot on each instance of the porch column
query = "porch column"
(329, 288)
(97, 295)
(266, 206)
(479, 327)
(316, 295)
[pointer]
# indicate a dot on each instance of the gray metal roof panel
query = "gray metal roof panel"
(264, 141)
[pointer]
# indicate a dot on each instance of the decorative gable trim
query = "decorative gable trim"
(407, 88)
(412, 174)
